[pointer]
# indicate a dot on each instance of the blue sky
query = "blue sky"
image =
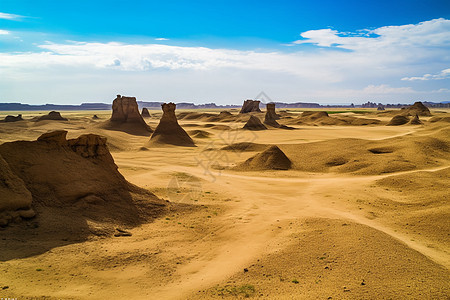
(224, 51)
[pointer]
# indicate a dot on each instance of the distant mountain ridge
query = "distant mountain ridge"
(186, 105)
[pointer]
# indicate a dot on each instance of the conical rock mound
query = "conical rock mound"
(270, 159)
(145, 113)
(398, 120)
(169, 131)
(417, 109)
(415, 121)
(53, 115)
(254, 123)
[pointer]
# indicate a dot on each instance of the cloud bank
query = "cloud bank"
(376, 64)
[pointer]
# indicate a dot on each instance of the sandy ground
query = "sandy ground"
(236, 234)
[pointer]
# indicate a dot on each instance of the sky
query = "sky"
(331, 52)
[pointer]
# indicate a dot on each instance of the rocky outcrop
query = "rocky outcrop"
(271, 117)
(270, 159)
(15, 198)
(53, 115)
(416, 109)
(250, 106)
(415, 121)
(254, 123)
(77, 177)
(145, 113)
(169, 131)
(10, 118)
(398, 120)
(126, 117)
(380, 108)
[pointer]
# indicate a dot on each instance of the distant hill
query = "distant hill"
(83, 106)
(186, 105)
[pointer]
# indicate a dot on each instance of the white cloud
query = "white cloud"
(7, 16)
(161, 39)
(425, 34)
(444, 74)
(4, 32)
(386, 89)
(372, 66)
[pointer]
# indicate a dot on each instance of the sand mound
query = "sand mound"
(10, 118)
(439, 119)
(245, 146)
(369, 157)
(270, 159)
(169, 131)
(317, 118)
(416, 109)
(398, 120)
(199, 134)
(359, 121)
(254, 123)
(217, 127)
(250, 106)
(79, 178)
(145, 113)
(15, 198)
(53, 115)
(224, 114)
(126, 117)
(415, 121)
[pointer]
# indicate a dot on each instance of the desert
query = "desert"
(189, 204)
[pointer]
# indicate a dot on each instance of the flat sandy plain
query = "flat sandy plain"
(363, 214)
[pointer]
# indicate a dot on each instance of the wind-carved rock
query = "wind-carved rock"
(53, 115)
(169, 131)
(15, 198)
(271, 117)
(415, 120)
(254, 123)
(126, 117)
(10, 118)
(145, 113)
(416, 109)
(250, 106)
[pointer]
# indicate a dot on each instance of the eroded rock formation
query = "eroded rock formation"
(145, 113)
(398, 120)
(10, 118)
(53, 115)
(254, 123)
(415, 120)
(126, 117)
(169, 131)
(250, 106)
(77, 176)
(417, 109)
(271, 117)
